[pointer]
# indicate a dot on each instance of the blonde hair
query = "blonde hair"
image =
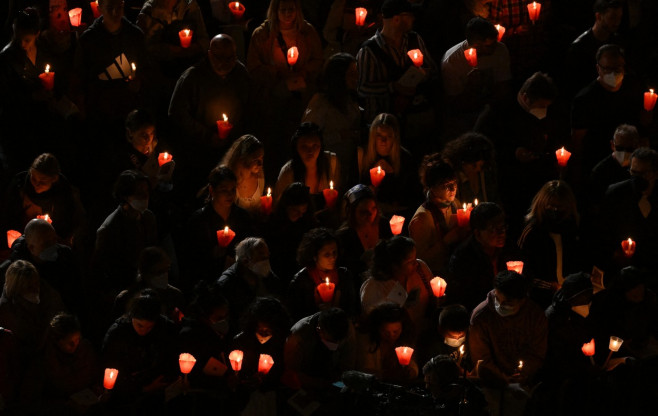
(273, 15)
(386, 121)
(19, 277)
(239, 153)
(551, 191)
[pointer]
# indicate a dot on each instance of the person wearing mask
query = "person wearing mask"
(447, 337)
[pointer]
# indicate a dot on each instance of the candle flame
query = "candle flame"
(651, 90)
(379, 170)
(46, 217)
(534, 5)
(47, 68)
(236, 5)
(464, 206)
(562, 151)
(520, 365)
(415, 55)
(187, 32)
(269, 192)
(292, 52)
(475, 202)
(226, 230)
(331, 184)
(225, 118)
(134, 66)
(361, 13)
(326, 279)
(461, 350)
(166, 155)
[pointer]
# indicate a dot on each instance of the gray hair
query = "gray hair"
(244, 251)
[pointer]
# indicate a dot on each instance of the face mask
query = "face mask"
(540, 113)
(221, 327)
(160, 281)
(32, 298)
(582, 310)
(263, 339)
(624, 158)
(49, 254)
(140, 205)
(504, 310)
(613, 80)
(261, 268)
(331, 346)
(454, 342)
(639, 184)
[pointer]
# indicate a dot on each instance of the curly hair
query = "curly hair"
(312, 243)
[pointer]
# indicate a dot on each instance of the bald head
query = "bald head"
(222, 54)
(39, 235)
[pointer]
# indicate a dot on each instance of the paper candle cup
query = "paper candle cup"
(438, 286)
(186, 362)
(292, 55)
(326, 290)
(404, 355)
(377, 175)
(75, 16)
(628, 247)
(237, 9)
(110, 378)
(650, 100)
(589, 349)
(265, 363)
(471, 56)
(185, 37)
(235, 357)
(416, 57)
(501, 32)
(225, 236)
(164, 158)
(360, 15)
(615, 344)
(562, 156)
(516, 266)
(12, 235)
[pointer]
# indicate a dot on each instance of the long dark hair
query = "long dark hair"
(387, 313)
(333, 84)
(307, 129)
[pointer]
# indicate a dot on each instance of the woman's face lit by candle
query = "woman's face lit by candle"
(223, 195)
(408, 265)
(41, 182)
(384, 140)
(142, 326)
(69, 343)
(295, 212)
(326, 257)
(28, 41)
(308, 148)
(287, 13)
(254, 162)
(389, 332)
(365, 212)
(444, 192)
(143, 139)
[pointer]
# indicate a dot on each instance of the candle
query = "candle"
(471, 56)
(45, 217)
(237, 9)
(330, 195)
(12, 235)
(185, 37)
(520, 367)
(517, 266)
(292, 55)
(110, 378)
(416, 57)
(396, 223)
(360, 14)
(475, 203)
(266, 202)
(650, 100)
(628, 246)
(75, 15)
(164, 158)
(235, 357)
(615, 344)
(265, 363)
(438, 286)
(47, 78)
(94, 9)
(501, 32)
(224, 127)
(562, 156)
(134, 70)
(225, 236)
(464, 216)
(186, 362)
(533, 11)
(589, 348)
(404, 355)
(377, 175)
(326, 290)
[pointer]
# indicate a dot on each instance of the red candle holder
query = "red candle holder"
(266, 202)
(12, 235)
(396, 224)
(45, 217)
(533, 11)
(186, 362)
(265, 363)
(589, 348)
(94, 9)
(438, 286)
(628, 247)
(185, 37)
(330, 195)
(516, 266)
(326, 290)
(75, 16)
(416, 57)
(224, 127)
(650, 98)
(464, 215)
(360, 15)
(501, 31)
(110, 378)
(292, 55)
(471, 56)
(235, 357)
(164, 158)
(225, 236)
(562, 156)
(377, 175)
(47, 78)
(404, 355)
(237, 9)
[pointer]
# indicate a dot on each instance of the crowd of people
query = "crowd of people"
(226, 180)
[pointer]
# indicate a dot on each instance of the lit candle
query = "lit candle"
(75, 15)
(520, 367)
(47, 78)
(224, 127)
(615, 344)
(589, 349)
(628, 246)
(475, 202)
(471, 56)
(463, 216)
(360, 14)
(94, 9)
(438, 286)
(416, 57)
(110, 378)
(235, 357)
(185, 37)
(266, 202)
(396, 224)
(501, 32)
(134, 69)
(164, 158)
(533, 11)
(225, 236)
(562, 156)
(45, 217)
(377, 175)
(292, 55)
(237, 9)
(326, 290)
(404, 355)
(461, 355)
(265, 363)
(186, 362)
(330, 195)
(12, 235)
(650, 100)
(516, 266)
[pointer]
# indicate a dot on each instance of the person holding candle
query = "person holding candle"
(318, 255)
(388, 326)
(245, 159)
(550, 242)
(450, 390)
(400, 191)
(447, 337)
(434, 226)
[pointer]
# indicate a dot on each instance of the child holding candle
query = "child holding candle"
(245, 159)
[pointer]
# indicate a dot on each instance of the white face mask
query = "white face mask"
(540, 113)
(454, 342)
(32, 298)
(504, 310)
(624, 158)
(613, 79)
(582, 310)
(263, 339)
(331, 346)
(160, 281)
(140, 205)
(261, 268)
